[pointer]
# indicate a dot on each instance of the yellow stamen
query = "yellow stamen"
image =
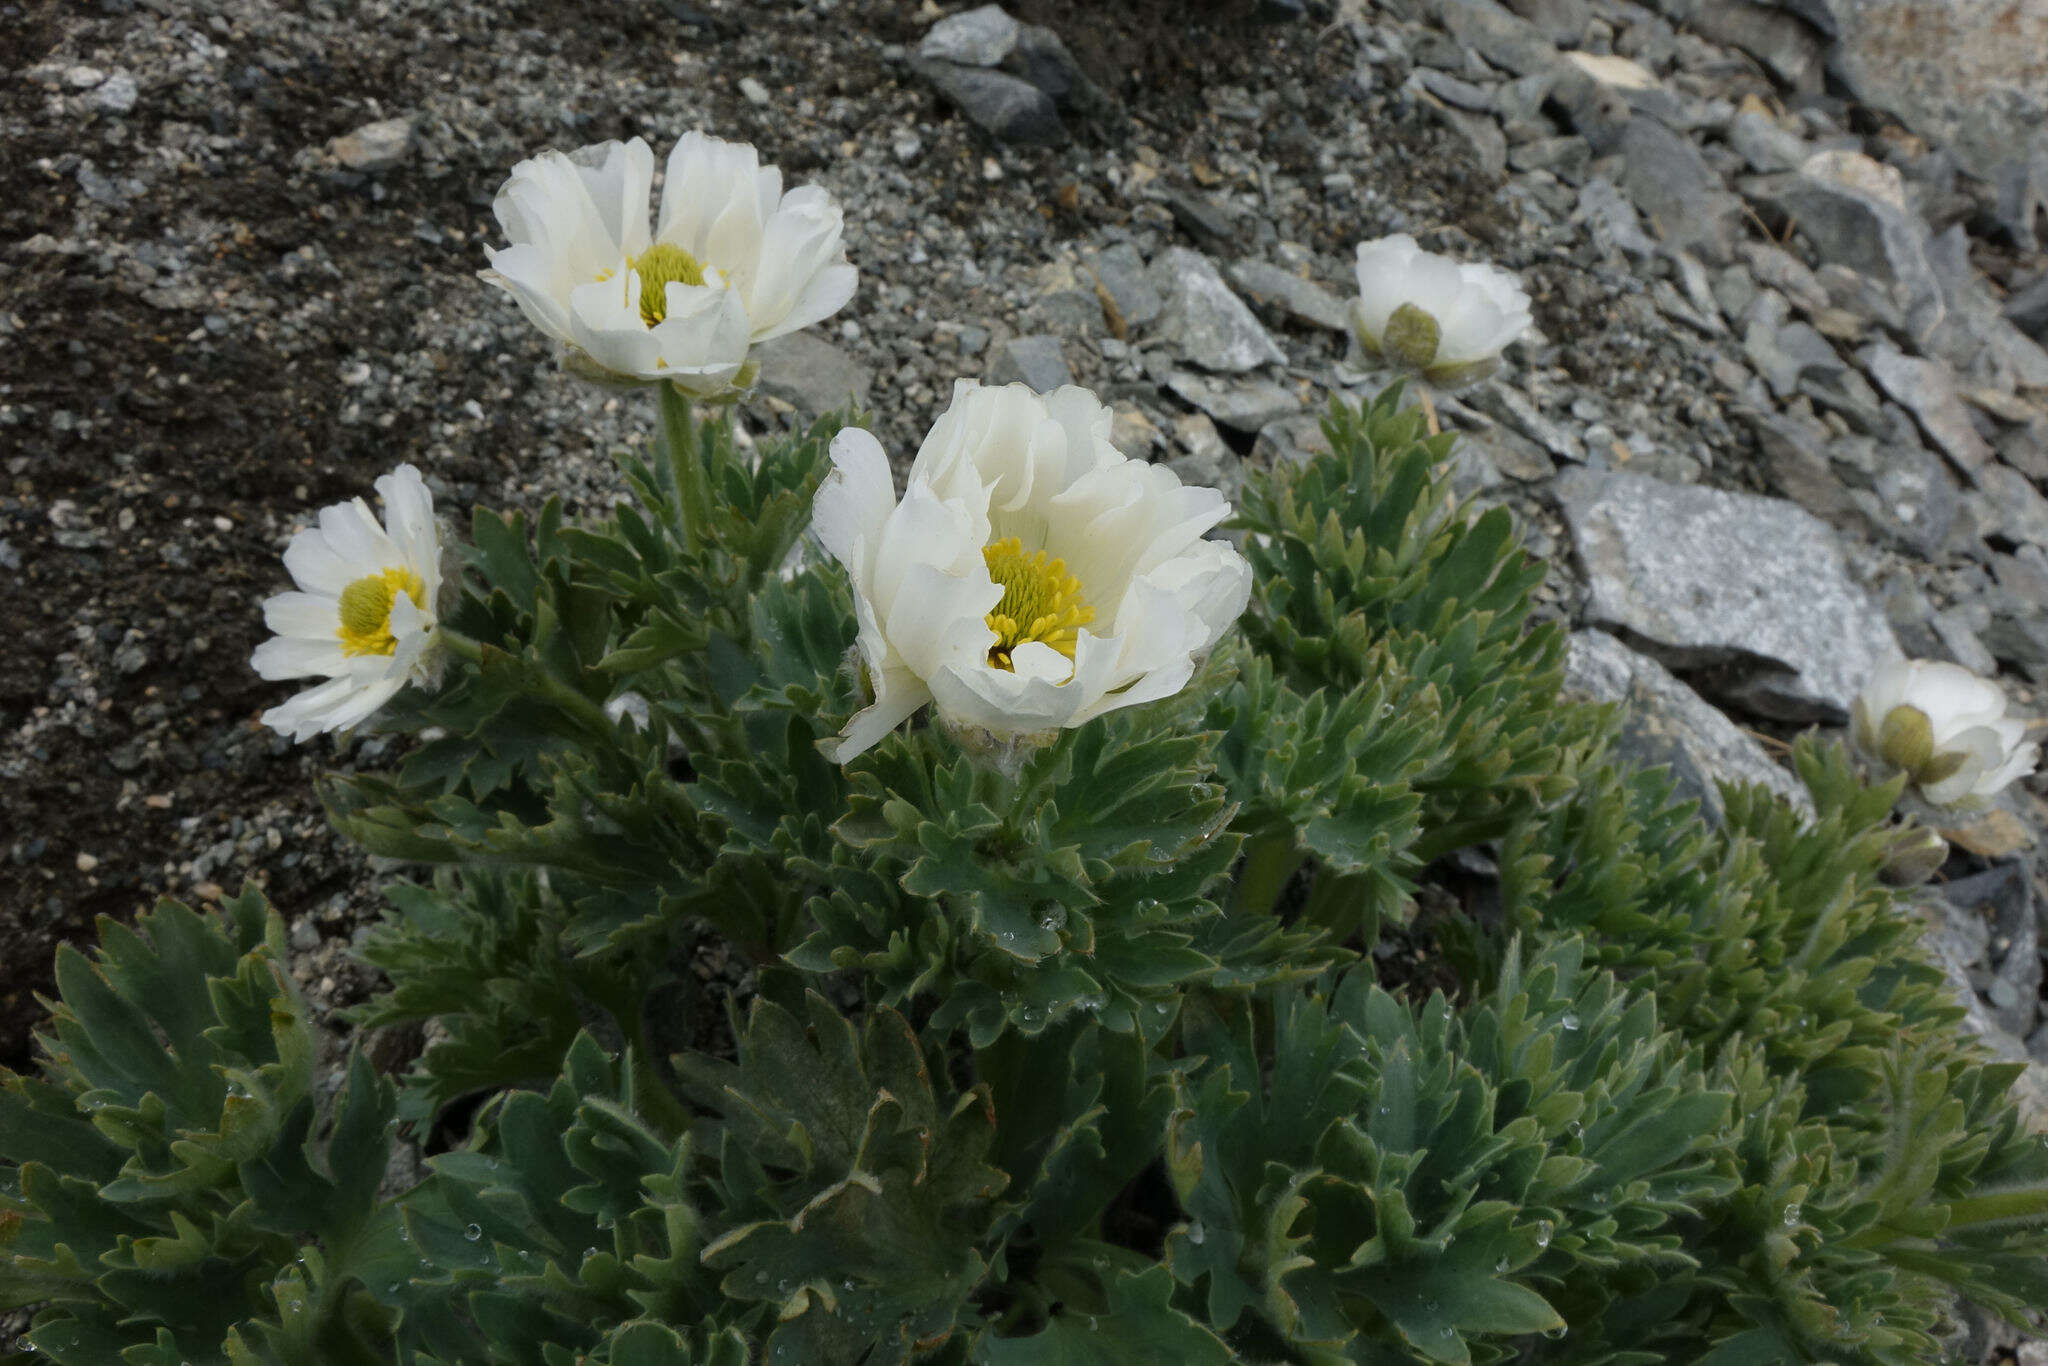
(366, 610)
(656, 267)
(1041, 601)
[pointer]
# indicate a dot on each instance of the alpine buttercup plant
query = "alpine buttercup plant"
(730, 260)
(1037, 915)
(1945, 728)
(1441, 320)
(364, 614)
(1031, 577)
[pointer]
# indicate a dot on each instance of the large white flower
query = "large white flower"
(363, 617)
(1031, 576)
(731, 260)
(1945, 729)
(1433, 316)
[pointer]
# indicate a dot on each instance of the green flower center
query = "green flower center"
(657, 267)
(366, 610)
(1041, 601)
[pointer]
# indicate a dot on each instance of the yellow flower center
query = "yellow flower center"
(656, 267)
(366, 610)
(1041, 601)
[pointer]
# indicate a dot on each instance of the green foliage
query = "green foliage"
(1132, 1046)
(172, 1187)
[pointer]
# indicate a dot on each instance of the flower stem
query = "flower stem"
(1268, 863)
(690, 453)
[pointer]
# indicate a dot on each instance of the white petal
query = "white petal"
(854, 501)
(314, 566)
(312, 615)
(298, 657)
(898, 693)
(711, 203)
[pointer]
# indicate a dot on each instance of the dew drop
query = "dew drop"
(1500, 1268)
(1543, 1232)
(473, 1232)
(1569, 1023)
(1791, 1215)
(1430, 1306)
(1052, 916)
(1197, 1234)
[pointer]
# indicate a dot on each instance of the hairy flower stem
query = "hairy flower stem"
(690, 451)
(1269, 862)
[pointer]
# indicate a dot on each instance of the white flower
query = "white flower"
(731, 260)
(1031, 577)
(1428, 314)
(363, 617)
(1945, 729)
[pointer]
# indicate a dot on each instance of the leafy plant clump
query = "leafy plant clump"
(1167, 1037)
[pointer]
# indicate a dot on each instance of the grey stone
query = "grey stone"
(1290, 441)
(1502, 38)
(2007, 504)
(1966, 74)
(976, 37)
(1509, 407)
(117, 95)
(1678, 191)
(1928, 389)
(1564, 157)
(1243, 405)
(2027, 309)
(1912, 500)
(1203, 321)
(1668, 724)
(1789, 48)
(2023, 197)
(1068, 312)
(1766, 146)
(1509, 452)
(1612, 219)
(374, 146)
(1121, 272)
(1006, 106)
(1451, 90)
(1562, 21)
(1203, 219)
(1037, 361)
(2003, 903)
(1784, 353)
(1288, 292)
(1204, 458)
(1481, 133)
(1851, 227)
(754, 92)
(1782, 271)
(1795, 449)
(1753, 587)
(1041, 58)
(811, 374)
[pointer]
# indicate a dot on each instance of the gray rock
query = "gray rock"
(2027, 309)
(2022, 197)
(977, 37)
(1928, 389)
(1499, 36)
(1041, 58)
(1509, 407)
(2007, 504)
(1243, 405)
(1562, 21)
(375, 146)
(1121, 271)
(811, 374)
(1752, 587)
(1204, 220)
(1678, 191)
(1612, 219)
(1451, 90)
(1480, 133)
(1766, 146)
(1009, 107)
(1288, 292)
(1788, 47)
(1203, 320)
(1966, 74)
(1668, 724)
(1037, 361)
(116, 95)
(2000, 905)
(1204, 458)
(1849, 226)
(1784, 353)
(1564, 157)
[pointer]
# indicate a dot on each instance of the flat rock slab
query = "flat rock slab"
(1753, 589)
(1668, 724)
(1203, 321)
(811, 374)
(1243, 405)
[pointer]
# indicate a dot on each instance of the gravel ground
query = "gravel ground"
(210, 326)
(224, 304)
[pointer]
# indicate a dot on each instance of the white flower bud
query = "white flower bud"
(1431, 316)
(1945, 729)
